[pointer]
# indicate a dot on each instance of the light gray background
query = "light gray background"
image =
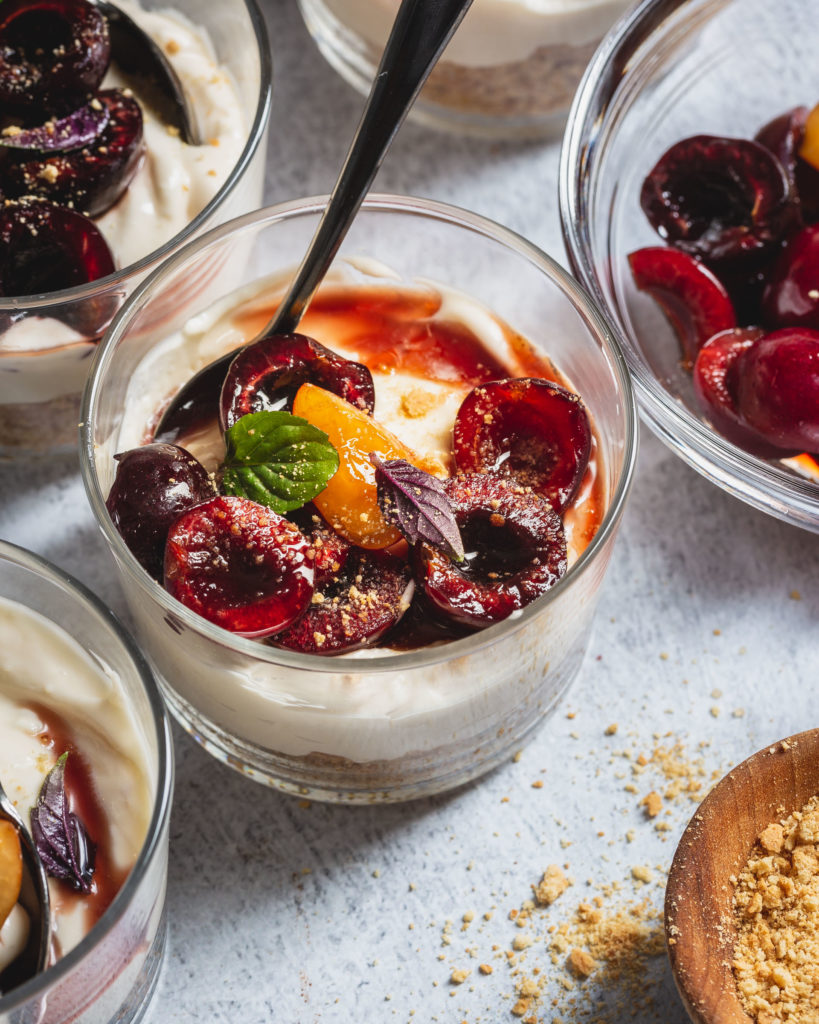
(323, 914)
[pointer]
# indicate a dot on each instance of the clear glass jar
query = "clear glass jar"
(669, 71)
(510, 70)
(386, 726)
(110, 975)
(47, 341)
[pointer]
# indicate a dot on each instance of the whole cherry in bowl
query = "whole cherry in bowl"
(384, 541)
(699, 240)
(98, 185)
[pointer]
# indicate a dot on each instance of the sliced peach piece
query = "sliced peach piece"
(349, 502)
(11, 869)
(809, 150)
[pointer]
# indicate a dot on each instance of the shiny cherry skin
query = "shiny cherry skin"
(791, 295)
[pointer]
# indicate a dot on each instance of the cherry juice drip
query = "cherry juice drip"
(84, 801)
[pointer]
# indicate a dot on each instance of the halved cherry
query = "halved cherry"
(516, 550)
(691, 296)
(777, 388)
(715, 379)
(153, 486)
(349, 502)
(53, 53)
(791, 296)
(44, 248)
(329, 549)
(355, 608)
(722, 200)
(789, 140)
(268, 373)
(90, 179)
(240, 566)
(530, 429)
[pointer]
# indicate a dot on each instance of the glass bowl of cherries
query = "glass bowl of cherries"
(689, 195)
(363, 560)
(124, 130)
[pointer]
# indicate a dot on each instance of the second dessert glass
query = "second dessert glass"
(382, 726)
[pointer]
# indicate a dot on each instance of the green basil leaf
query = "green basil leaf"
(277, 459)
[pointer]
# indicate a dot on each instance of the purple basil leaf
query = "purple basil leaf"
(60, 134)
(415, 502)
(62, 840)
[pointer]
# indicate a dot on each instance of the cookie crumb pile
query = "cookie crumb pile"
(776, 905)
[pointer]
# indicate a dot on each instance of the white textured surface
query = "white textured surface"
(280, 912)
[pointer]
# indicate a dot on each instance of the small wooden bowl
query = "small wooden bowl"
(699, 921)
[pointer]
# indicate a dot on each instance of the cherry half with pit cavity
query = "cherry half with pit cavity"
(240, 566)
(92, 178)
(726, 201)
(530, 429)
(153, 486)
(268, 373)
(53, 54)
(516, 551)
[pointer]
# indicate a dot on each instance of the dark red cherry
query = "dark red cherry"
(354, 607)
(90, 179)
(690, 295)
(330, 550)
(530, 429)
(53, 53)
(777, 388)
(791, 296)
(240, 566)
(783, 136)
(726, 201)
(268, 373)
(153, 486)
(715, 373)
(45, 248)
(516, 550)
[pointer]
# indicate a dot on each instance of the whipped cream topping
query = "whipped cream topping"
(42, 667)
(495, 32)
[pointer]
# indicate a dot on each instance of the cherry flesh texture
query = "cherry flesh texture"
(791, 296)
(691, 296)
(45, 248)
(777, 388)
(153, 486)
(240, 566)
(53, 54)
(516, 550)
(268, 373)
(532, 430)
(90, 179)
(715, 378)
(330, 550)
(726, 201)
(355, 607)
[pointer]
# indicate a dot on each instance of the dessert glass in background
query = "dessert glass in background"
(666, 72)
(382, 725)
(510, 71)
(110, 974)
(48, 340)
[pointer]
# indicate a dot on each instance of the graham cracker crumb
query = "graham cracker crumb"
(552, 885)
(581, 963)
(653, 804)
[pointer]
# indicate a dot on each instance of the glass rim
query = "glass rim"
(600, 327)
(54, 974)
(599, 100)
(43, 302)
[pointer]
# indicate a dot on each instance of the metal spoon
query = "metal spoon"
(421, 30)
(142, 62)
(35, 900)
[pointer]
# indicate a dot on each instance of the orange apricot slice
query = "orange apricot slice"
(11, 869)
(809, 150)
(349, 502)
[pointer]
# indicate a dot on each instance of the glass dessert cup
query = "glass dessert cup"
(110, 975)
(510, 71)
(377, 725)
(48, 340)
(669, 71)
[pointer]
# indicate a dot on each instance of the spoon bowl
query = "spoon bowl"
(699, 920)
(35, 900)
